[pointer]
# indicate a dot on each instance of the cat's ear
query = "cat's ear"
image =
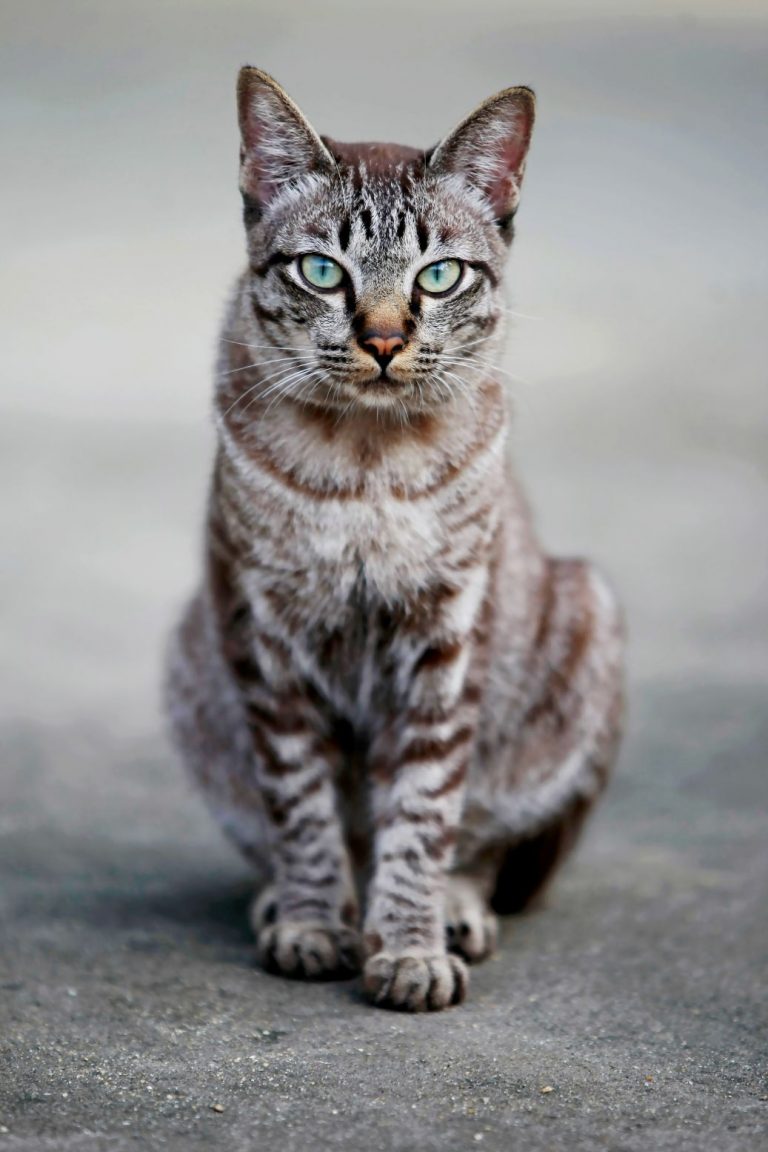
(489, 149)
(277, 143)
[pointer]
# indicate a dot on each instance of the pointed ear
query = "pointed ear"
(277, 143)
(489, 149)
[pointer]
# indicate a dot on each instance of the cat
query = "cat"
(398, 707)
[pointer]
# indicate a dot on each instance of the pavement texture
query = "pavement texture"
(628, 1013)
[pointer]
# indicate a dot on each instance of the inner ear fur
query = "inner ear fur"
(278, 144)
(489, 149)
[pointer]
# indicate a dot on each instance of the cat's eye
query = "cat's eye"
(439, 277)
(321, 272)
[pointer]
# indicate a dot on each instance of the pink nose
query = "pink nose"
(382, 344)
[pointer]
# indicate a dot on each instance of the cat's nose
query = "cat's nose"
(383, 345)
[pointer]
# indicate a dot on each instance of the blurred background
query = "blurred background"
(640, 269)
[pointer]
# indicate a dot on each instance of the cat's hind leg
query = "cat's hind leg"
(532, 791)
(209, 730)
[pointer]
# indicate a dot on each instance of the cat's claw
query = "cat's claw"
(471, 929)
(414, 982)
(309, 950)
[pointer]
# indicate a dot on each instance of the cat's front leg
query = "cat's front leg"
(307, 926)
(418, 769)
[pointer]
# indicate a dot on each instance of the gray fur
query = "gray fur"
(385, 689)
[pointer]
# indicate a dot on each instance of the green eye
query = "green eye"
(439, 277)
(321, 271)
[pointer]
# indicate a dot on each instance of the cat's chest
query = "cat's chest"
(339, 587)
(396, 527)
(394, 543)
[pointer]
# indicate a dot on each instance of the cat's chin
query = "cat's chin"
(380, 391)
(403, 403)
(387, 391)
(404, 399)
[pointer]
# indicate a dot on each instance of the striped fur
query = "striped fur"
(386, 691)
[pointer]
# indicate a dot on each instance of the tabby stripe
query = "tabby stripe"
(422, 235)
(261, 458)
(411, 925)
(451, 472)
(437, 847)
(297, 857)
(481, 266)
(451, 782)
(298, 832)
(278, 723)
(345, 229)
(302, 903)
(559, 682)
(474, 518)
(408, 855)
(266, 315)
(408, 879)
(408, 816)
(401, 900)
(438, 656)
(274, 259)
(423, 750)
(281, 808)
(275, 645)
(287, 477)
(433, 729)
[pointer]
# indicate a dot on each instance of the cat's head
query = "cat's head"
(375, 269)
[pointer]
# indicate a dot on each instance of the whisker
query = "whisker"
(266, 344)
(274, 380)
(259, 363)
(476, 341)
(485, 364)
(284, 378)
(289, 385)
(282, 387)
(444, 389)
(464, 388)
(519, 315)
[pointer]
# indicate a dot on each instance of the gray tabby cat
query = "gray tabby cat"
(397, 706)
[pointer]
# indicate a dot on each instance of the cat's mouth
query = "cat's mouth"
(392, 385)
(384, 380)
(380, 390)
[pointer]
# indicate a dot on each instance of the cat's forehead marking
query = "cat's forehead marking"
(383, 213)
(379, 183)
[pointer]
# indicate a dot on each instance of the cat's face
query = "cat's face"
(375, 270)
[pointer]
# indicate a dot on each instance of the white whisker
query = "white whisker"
(272, 381)
(287, 387)
(518, 315)
(259, 363)
(475, 362)
(267, 344)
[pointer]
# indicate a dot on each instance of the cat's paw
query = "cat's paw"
(471, 929)
(415, 982)
(309, 950)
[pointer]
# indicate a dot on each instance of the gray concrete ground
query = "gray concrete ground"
(131, 1015)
